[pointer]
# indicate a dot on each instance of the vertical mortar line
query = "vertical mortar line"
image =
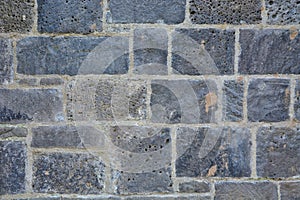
(213, 190)
(104, 13)
(169, 58)
(219, 112)
(34, 28)
(253, 132)
(15, 60)
(173, 160)
(292, 99)
(245, 103)
(264, 15)
(278, 190)
(237, 50)
(29, 162)
(131, 52)
(187, 19)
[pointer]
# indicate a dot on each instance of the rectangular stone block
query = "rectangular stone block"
(283, 12)
(278, 152)
(39, 105)
(74, 16)
(72, 55)
(7, 132)
(289, 190)
(225, 12)
(268, 100)
(194, 187)
(213, 152)
(269, 52)
(12, 169)
(297, 100)
(6, 60)
(68, 173)
(51, 81)
(245, 190)
(203, 51)
(140, 11)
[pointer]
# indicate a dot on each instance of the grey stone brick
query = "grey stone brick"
(12, 169)
(245, 190)
(233, 94)
(194, 187)
(7, 132)
(225, 12)
(268, 100)
(207, 152)
(57, 16)
(68, 173)
(28, 81)
(51, 81)
(16, 16)
(269, 52)
(290, 190)
(183, 101)
(190, 197)
(283, 12)
(6, 60)
(140, 11)
(72, 55)
(150, 51)
(40, 105)
(95, 198)
(203, 51)
(278, 152)
(297, 100)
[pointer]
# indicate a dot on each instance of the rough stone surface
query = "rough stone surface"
(190, 197)
(213, 152)
(72, 55)
(268, 100)
(12, 168)
(269, 52)
(226, 11)
(51, 81)
(7, 132)
(245, 190)
(278, 152)
(6, 60)
(297, 100)
(194, 187)
(213, 53)
(140, 11)
(81, 173)
(41, 105)
(16, 16)
(290, 190)
(233, 94)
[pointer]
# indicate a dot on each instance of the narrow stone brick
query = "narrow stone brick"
(245, 190)
(28, 81)
(194, 187)
(12, 169)
(190, 197)
(213, 152)
(278, 152)
(203, 51)
(290, 190)
(81, 173)
(6, 60)
(51, 81)
(7, 132)
(225, 12)
(269, 52)
(140, 11)
(40, 105)
(297, 100)
(268, 100)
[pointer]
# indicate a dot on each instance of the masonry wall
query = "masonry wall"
(157, 99)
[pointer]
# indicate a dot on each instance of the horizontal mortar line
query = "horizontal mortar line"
(79, 150)
(17, 139)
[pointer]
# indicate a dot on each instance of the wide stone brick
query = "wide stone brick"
(40, 105)
(7, 132)
(203, 51)
(269, 52)
(6, 60)
(225, 12)
(290, 190)
(268, 100)
(297, 100)
(75, 16)
(12, 168)
(213, 152)
(194, 187)
(140, 11)
(278, 152)
(72, 55)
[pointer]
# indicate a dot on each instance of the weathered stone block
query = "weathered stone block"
(283, 12)
(16, 16)
(72, 55)
(6, 60)
(225, 12)
(81, 173)
(203, 51)
(297, 100)
(51, 81)
(269, 52)
(290, 190)
(7, 132)
(140, 11)
(268, 100)
(40, 105)
(278, 152)
(245, 190)
(12, 169)
(208, 152)
(194, 187)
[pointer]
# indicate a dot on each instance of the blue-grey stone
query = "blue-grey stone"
(297, 100)
(194, 187)
(7, 132)
(6, 60)
(290, 190)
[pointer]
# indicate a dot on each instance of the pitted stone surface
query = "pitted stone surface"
(297, 100)
(6, 60)
(194, 187)
(269, 52)
(290, 190)
(7, 132)
(268, 100)
(278, 152)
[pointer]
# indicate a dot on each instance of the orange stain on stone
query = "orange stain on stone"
(210, 100)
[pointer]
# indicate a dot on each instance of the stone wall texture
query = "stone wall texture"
(150, 99)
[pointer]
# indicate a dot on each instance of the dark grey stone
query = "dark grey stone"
(75, 16)
(212, 45)
(7, 132)
(194, 187)
(140, 11)
(6, 60)
(190, 197)
(290, 190)
(269, 52)
(268, 100)
(278, 152)
(12, 168)
(68, 173)
(233, 94)
(297, 100)
(40, 105)
(245, 190)
(51, 81)
(208, 152)
(16, 16)
(28, 81)
(70, 55)
(225, 12)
